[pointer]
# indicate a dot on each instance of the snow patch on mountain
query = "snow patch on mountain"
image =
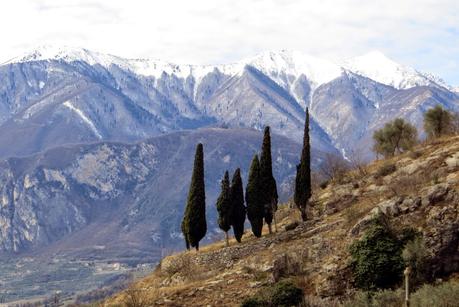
(376, 66)
(284, 67)
(85, 119)
(292, 63)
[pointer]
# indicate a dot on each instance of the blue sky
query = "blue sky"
(422, 33)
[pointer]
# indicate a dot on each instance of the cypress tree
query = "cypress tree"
(267, 181)
(194, 225)
(237, 204)
(303, 173)
(255, 208)
(224, 207)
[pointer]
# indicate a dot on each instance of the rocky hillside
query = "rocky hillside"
(419, 189)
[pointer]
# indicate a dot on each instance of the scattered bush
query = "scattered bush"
(445, 294)
(281, 294)
(395, 137)
(438, 122)
(385, 169)
(384, 298)
(333, 168)
(286, 294)
(377, 258)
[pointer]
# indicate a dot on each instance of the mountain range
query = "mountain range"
(96, 150)
(92, 96)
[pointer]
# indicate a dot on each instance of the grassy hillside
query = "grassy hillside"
(416, 190)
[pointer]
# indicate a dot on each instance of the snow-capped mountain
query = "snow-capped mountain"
(93, 96)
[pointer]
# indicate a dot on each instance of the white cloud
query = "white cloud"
(422, 33)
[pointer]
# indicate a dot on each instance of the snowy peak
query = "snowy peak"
(50, 52)
(295, 63)
(376, 66)
(281, 66)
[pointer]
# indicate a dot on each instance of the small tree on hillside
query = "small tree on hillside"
(438, 122)
(395, 137)
(255, 208)
(267, 181)
(194, 226)
(303, 173)
(238, 211)
(224, 207)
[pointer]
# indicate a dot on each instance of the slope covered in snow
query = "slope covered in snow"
(376, 66)
(284, 66)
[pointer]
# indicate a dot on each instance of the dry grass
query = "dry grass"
(307, 252)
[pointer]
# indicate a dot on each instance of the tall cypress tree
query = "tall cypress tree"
(255, 208)
(267, 181)
(194, 225)
(303, 173)
(237, 204)
(224, 207)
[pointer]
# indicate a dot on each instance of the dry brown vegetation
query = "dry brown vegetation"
(315, 253)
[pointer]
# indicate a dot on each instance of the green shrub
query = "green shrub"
(377, 258)
(281, 294)
(253, 302)
(286, 294)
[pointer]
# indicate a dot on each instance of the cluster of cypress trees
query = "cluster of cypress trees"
(261, 194)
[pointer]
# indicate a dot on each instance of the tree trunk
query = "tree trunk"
(304, 216)
(270, 229)
(197, 247)
(226, 238)
(275, 222)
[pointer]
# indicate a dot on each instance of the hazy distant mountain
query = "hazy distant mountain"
(55, 96)
(128, 198)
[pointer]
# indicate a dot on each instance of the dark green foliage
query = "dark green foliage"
(224, 207)
(254, 302)
(286, 294)
(303, 173)
(438, 122)
(282, 294)
(237, 204)
(396, 136)
(377, 258)
(267, 181)
(194, 224)
(255, 207)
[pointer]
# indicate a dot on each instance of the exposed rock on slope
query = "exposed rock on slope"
(127, 198)
(423, 193)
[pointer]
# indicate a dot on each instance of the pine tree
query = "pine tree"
(194, 225)
(224, 207)
(303, 173)
(237, 204)
(267, 181)
(255, 208)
